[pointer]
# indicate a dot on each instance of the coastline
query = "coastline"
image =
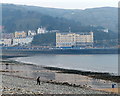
(96, 75)
(48, 75)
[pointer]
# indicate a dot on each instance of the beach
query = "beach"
(20, 78)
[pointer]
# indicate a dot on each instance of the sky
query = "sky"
(66, 4)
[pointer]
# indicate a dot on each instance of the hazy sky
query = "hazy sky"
(66, 4)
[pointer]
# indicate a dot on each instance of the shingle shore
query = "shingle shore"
(15, 85)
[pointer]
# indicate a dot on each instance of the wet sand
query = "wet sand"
(31, 72)
(114, 90)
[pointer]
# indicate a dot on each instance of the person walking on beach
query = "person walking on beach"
(38, 81)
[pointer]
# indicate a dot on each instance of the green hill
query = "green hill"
(21, 17)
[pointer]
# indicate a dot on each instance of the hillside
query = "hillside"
(48, 39)
(15, 18)
(105, 16)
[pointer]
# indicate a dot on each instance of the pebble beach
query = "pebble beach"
(20, 79)
(15, 85)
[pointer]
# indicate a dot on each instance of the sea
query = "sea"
(92, 62)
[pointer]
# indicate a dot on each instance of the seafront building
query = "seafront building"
(22, 41)
(20, 34)
(18, 38)
(6, 42)
(74, 39)
(6, 39)
(7, 35)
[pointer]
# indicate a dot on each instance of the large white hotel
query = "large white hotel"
(74, 39)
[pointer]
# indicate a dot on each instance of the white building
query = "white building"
(6, 42)
(31, 33)
(105, 30)
(41, 30)
(22, 41)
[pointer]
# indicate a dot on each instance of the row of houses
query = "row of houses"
(16, 41)
(23, 34)
(20, 37)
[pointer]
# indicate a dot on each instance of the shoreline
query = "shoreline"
(58, 73)
(13, 83)
(30, 87)
(96, 75)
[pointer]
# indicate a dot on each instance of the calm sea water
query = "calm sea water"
(97, 63)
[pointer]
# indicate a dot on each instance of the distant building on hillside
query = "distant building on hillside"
(74, 39)
(20, 34)
(31, 33)
(41, 30)
(105, 30)
(7, 35)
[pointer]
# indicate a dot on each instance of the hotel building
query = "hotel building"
(74, 39)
